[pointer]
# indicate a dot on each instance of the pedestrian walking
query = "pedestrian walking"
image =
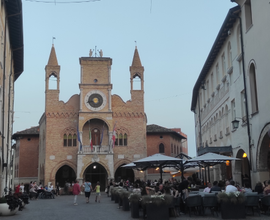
(97, 188)
(87, 190)
(76, 191)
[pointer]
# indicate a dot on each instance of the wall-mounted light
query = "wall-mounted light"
(227, 163)
(244, 155)
(235, 124)
(157, 168)
(94, 167)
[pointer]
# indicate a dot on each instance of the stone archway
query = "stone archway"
(65, 174)
(124, 173)
(242, 168)
(96, 172)
(263, 153)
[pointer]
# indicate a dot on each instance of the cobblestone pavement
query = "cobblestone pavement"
(62, 208)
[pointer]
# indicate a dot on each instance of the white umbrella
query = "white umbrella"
(130, 165)
(211, 159)
(157, 160)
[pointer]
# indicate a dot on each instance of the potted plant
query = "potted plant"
(7, 206)
(157, 206)
(232, 205)
(112, 193)
(124, 194)
(134, 199)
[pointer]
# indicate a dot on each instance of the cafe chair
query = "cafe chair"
(194, 203)
(252, 201)
(265, 201)
(210, 201)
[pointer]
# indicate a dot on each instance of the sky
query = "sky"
(173, 37)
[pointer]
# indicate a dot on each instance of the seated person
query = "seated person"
(136, 188)
(160, 189)
(266, 190)
(247, 188)
(215, 187)
(231, 187)
(208, 188)
(259, 188)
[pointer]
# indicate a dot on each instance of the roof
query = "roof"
(33, 131)
(15, 25)
(136, 59)
(220, 39)
(154, 129)
(53, 59)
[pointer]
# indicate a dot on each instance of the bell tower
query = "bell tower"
(52, 79)
(137, 72)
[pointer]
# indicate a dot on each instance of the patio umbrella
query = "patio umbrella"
(157, 160)
(211, 159)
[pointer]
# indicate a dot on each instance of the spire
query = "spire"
(52, 59)
(136, 58)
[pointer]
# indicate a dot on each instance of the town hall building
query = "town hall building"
(94, 133)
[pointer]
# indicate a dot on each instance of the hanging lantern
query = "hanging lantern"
(227, 163)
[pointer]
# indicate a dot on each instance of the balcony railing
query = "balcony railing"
(96, 149)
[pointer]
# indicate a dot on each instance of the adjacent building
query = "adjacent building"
(11, 67)
(170, 142)
(231, 87)
(26, 155)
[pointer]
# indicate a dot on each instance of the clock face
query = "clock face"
(95, 100)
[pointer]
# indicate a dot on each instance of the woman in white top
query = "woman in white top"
(22, 188)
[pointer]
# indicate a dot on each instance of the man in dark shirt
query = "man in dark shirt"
(215, 187)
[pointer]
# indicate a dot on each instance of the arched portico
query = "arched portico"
(65, 174)
(242, 168)
(263, 154)
(124, 173)
(96, 172)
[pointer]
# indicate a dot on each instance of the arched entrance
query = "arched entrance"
(124, 173)
(96, 172)
(65, 174)
(263, 154)
(242, 167)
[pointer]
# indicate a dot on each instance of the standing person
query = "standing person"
(76, 191)
(87, 190)
(22, 187)
(57, 189)
(97, 188)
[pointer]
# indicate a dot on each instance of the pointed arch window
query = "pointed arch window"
(253, 88)
(74, 139)
(120, 139)
(65, 140)
(69, 140)
(161, 148)
(125, 139)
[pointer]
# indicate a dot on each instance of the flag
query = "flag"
(113, 136)
(79, 138)
(101, 135)
(90, 139)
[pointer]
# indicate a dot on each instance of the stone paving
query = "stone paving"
(62, 208)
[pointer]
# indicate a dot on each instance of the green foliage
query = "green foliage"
(3, 200)
(123, 193)
(134, 197)
(232, 197)
(158, 199)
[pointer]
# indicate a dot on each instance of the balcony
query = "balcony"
(96, 149)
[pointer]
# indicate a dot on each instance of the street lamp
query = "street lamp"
(235, 124)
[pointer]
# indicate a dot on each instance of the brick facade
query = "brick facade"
(61, 118)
